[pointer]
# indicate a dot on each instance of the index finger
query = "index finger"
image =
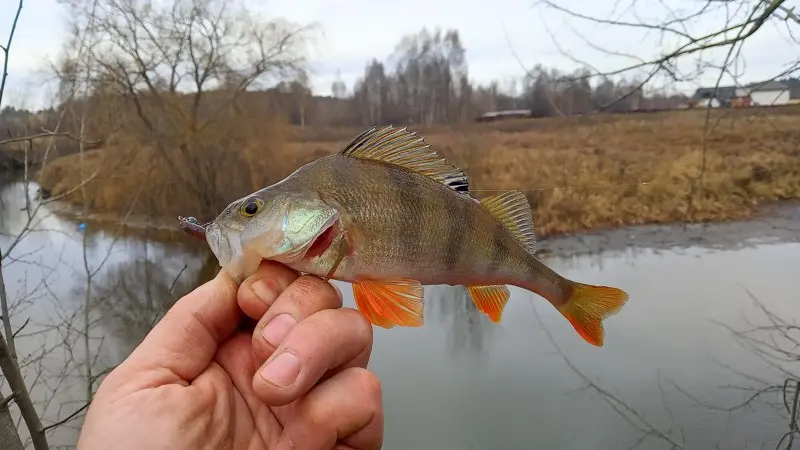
(328, 341)
(186, 339)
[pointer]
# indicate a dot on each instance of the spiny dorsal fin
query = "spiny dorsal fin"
(512, 209)
(402, 148)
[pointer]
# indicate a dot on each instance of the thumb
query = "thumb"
(185, 340)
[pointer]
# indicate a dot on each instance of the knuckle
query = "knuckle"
(361, 327)
(318, 414)
(310, 290)
(370, 386)
(309, 285)
(281, 274)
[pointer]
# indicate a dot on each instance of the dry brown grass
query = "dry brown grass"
(579, 173)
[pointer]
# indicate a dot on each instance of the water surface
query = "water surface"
(461, 382)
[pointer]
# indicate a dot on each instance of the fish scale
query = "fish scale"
(388, 214)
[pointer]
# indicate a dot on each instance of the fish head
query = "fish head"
(269, 224)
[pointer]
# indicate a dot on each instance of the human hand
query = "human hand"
(197, 379)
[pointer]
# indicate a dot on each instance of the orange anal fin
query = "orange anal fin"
(490, 300)
(387, 303)
(588, 306)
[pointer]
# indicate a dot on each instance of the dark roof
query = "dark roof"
(794, 87)
(728, 92)
(768, 86)
(723, 93)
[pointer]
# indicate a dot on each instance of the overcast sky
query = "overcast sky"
(354, 31)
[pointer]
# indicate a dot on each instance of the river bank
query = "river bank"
(620, 171)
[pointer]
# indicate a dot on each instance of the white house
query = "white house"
(769, 93)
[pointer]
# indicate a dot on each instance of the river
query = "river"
(461, 382)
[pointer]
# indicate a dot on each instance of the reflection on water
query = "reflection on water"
(459, 382)
(469, 328)
(132, 296)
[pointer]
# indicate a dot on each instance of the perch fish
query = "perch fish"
(389, 215)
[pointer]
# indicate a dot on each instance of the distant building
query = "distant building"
(754, 94)
(507, 114)
(769, 93)
(708, 97)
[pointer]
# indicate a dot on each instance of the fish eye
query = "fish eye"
(251, 207)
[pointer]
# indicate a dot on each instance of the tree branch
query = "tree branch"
(7, 50)
(49, 134)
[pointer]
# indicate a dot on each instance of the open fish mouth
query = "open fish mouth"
(239, 261)
(323, 241)
(314, 246)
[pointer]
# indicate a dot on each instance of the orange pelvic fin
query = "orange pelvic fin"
(490, 300)
(387, 303)
(588, 306)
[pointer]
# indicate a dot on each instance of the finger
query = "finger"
(332, 339)
(185, 340)
(235, 356)
(258, 291)
(304, 297)
(346, 409)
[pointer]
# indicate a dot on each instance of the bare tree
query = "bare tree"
(182, 66)
(426, 86)
(301, 97)
(28, 376)
(8, 354)
(338, 87)
(740, 20)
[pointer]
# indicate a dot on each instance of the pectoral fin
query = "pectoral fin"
(387, 303)
(490, 300)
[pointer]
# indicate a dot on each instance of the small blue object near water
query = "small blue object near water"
(81, 226)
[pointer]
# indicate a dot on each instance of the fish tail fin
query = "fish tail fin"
(587, 306)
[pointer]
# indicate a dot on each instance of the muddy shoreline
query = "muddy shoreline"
(778, 223)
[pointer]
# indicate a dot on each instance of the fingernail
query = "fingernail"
(264, 290)
(282, 370)
(278, 328)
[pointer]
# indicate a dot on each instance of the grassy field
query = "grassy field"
(578, 173)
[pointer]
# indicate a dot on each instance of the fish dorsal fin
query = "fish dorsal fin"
(400, 147)
(512, 209)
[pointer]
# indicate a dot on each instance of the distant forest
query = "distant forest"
(426, 81)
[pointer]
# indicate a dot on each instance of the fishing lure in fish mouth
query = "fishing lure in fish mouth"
(192, 227)
(388, 214)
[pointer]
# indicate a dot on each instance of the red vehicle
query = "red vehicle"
(740, 102)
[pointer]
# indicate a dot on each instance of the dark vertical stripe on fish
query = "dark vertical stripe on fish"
(407, 228)
(498, 250)
(457, 235)
(327, 174)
